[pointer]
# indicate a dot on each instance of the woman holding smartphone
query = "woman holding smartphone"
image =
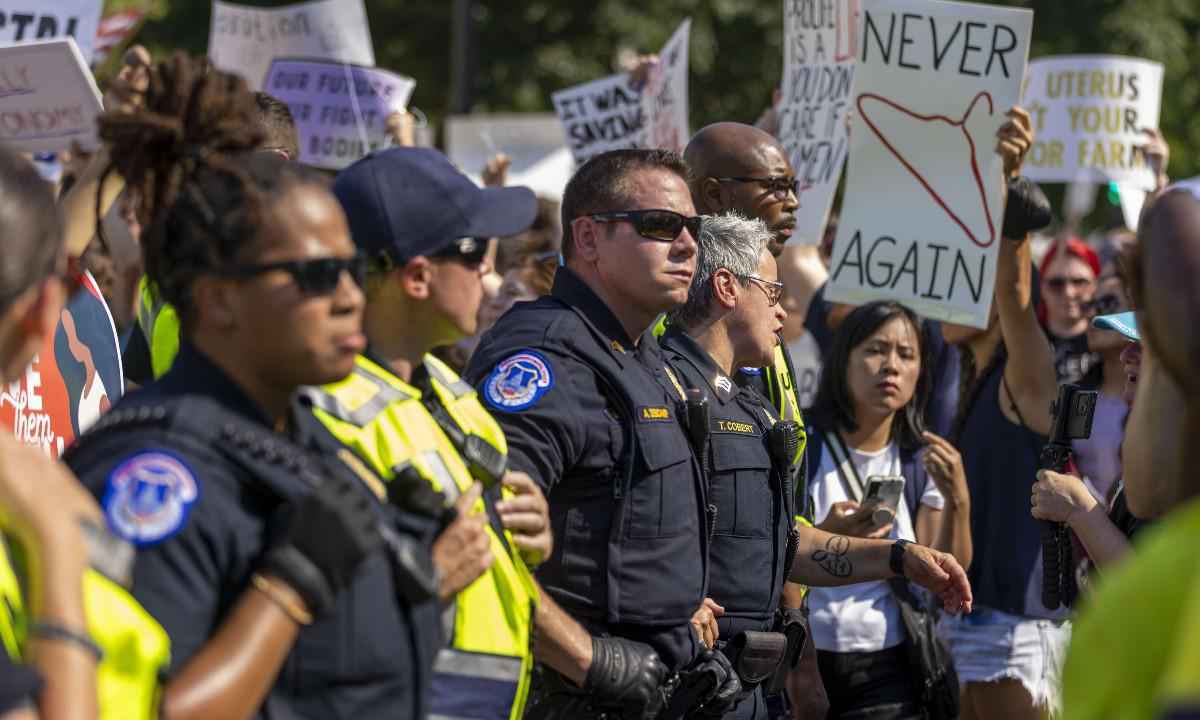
(874, 472)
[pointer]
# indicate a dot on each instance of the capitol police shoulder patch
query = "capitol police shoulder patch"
(149, 497)
(518, 381)
(753, 371)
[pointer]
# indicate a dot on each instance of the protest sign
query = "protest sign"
(818, 79)
(1088, 114)
(611, 113)
(341, 110)
(923, 209)
(48, 98)
(245, 40)
(23, 20)
(115, 30)
(75, 377)
(534, 142)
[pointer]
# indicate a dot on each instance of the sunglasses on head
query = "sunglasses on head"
(662, 225)
(780, 185)
(468, 251)
(319, 276)
(1058, 283)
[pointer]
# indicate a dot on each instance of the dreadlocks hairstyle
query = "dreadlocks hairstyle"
(186, 155)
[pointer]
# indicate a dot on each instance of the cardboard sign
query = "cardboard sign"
(923, 209)
(48, 97)
(341, 110)
(245, 40)
(76, 377)
(533, 141)
(23, 20)
(612, 113)
(819, 50)
(1089, 112)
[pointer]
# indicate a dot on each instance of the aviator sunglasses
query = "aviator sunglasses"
(319, 276)
(661, 225)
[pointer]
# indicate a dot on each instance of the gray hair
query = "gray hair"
(728, 241)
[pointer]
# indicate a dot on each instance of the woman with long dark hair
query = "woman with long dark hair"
(867, 431)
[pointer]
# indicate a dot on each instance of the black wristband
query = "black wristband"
(54, 631)
(896, 560)
(1026, 209)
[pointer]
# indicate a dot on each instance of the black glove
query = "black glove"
(1027, 209)
(327, 535)
(628, 675)
(726, 686)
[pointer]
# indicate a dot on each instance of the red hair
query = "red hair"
(1075, 248)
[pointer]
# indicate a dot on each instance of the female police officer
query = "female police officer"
(287, 589)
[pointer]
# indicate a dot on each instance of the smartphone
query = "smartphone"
(884, 491)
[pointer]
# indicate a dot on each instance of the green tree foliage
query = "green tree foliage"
(525, 50)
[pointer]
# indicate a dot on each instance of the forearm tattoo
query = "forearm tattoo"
(833, 558)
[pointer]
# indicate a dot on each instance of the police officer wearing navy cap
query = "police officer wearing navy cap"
(287, 586)
(731, 320)
(591, 415)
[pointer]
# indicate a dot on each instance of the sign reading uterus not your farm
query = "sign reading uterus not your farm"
(923, 207)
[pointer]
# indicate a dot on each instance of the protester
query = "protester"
(260, 551)
(1068, 273)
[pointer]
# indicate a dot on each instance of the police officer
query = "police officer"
(732, 319)
(425, 227)
(591, 415)
(288, 589)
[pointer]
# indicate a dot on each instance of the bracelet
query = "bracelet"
(298, 614)
(896, 558)
(53, 631)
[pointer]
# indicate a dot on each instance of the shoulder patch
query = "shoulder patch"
(149, 497)
(518, 381)
(750, 371)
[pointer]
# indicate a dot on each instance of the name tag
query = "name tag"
(733, 426)
(649, 413)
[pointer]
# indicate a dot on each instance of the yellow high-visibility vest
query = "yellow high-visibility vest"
(160, 324)
(484, 671)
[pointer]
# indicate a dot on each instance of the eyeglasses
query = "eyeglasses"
(1104, 305)
(319, 276)
(661, 225)
(780, 185)
(1058, 283)
(468, 251)
(772, 289)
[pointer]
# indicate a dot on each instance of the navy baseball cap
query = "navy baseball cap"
(409, 201)
(1124, 323)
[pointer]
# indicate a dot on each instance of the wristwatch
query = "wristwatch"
(896, 561)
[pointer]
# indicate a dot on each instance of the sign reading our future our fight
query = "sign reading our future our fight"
(613, 113)
(245, 40)
(48, 97)
(75, 377)
(24, 20)
(341, 110)
(1089, 112)
(820, 45)
(923, 209)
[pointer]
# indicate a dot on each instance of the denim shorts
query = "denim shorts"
(989, 645)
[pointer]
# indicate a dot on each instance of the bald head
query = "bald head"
(733, 150)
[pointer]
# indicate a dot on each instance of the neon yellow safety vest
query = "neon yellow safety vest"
(136, 648)
(484, 672)
(160, 325)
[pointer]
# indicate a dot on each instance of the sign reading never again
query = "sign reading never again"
(923, 209)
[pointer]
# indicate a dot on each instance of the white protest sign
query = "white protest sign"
(245, 40)
(666, 94)
(611, 113)
(818, 78)
(341, 110)
(534, 142)
(24, 20)
(923, 210)
(48, 97)
(1088, 114)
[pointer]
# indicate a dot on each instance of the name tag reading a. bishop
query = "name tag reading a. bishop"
(650, 413)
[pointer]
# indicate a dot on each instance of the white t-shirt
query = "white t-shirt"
(863, 617)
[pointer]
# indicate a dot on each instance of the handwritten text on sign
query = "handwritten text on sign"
(818, 77)
(666, 93)
(24, 20)
(48, 98)
(921, 219)
(245, 40)
(340, 110)
(1089, 112)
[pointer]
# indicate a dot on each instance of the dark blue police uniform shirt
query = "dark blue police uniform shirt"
(751, 528)
(592, 419)
(201, 523)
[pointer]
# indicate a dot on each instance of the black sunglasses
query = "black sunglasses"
(1104, 305)
(468, 251)
(781, 185)
(662, 225)
(1059, 283)
(319, 276)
